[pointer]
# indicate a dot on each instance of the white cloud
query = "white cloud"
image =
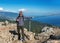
(9, 10)
(23, 10)
(1, 8)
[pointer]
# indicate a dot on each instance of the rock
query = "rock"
(45, 34)
(29, 34)
(53, 41)
(6, 22)
(15, 37)
(17, 41)
(32, 41)
(7, 37)
(48, 30)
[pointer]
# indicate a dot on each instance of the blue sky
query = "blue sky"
(31, 6)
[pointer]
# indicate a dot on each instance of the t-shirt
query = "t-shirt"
(21, 21)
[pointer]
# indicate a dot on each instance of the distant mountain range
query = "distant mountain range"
(7, 15)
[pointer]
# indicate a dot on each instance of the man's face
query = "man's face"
(21, 14)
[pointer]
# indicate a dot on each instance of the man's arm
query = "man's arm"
(17, 19)
(27, 17)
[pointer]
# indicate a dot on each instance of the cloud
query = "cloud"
(22, 10)
(7, 10)
(1, 9)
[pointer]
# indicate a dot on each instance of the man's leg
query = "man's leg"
(18, 30)
(22, 30)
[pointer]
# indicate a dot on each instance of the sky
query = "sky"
(31, 6)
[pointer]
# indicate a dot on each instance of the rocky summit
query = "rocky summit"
(8, 34)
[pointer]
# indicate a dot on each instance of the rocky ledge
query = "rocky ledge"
(8, 34)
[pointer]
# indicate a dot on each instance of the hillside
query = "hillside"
(35, 25)
(8, 34)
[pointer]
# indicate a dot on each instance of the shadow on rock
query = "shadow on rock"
(13, 32)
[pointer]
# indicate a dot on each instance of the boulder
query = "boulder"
(29, 34)
(45, 34)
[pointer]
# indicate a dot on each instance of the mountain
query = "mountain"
(7, 15)
(35, 26)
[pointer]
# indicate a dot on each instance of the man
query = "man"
(20, 25)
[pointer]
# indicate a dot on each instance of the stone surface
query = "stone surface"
(29, 34)
(53, 41)
(7, 37)
(45, 34)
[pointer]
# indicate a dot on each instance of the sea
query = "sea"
(53, 20)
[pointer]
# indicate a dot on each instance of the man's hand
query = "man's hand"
(17, 19)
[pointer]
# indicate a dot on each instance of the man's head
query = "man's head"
(20, 13)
